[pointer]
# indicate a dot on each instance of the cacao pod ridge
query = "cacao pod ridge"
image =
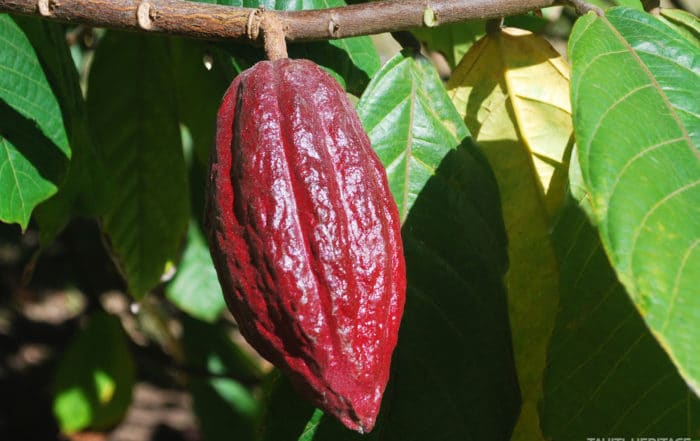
(306, 236)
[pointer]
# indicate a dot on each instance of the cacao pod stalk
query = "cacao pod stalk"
(305, 236)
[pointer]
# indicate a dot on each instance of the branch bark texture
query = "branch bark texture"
(217, 22)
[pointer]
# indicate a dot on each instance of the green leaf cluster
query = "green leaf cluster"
(550, 212)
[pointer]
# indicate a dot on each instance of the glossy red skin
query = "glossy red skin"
(305, 236)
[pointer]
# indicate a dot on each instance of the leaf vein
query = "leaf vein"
(677, 282)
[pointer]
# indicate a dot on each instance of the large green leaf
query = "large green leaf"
(453, 373)
(34, 146)
(195, 288)
(606, 375)
(132, 110)
(94, 377)
(411, 122)
(24, 87)
(80, 191)
(636, 107)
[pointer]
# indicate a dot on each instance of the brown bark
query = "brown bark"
(216, 22)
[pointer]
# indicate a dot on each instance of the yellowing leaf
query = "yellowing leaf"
(512, 89)
(513, 86)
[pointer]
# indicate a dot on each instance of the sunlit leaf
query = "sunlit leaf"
(195, 288)
(34, 149)
(411, 123)
(638, 138)
(80, 193)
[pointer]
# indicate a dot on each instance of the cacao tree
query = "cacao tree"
(540, 162)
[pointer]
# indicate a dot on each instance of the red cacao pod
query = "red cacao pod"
(305, 236)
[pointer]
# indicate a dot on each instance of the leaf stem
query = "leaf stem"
(273, 36)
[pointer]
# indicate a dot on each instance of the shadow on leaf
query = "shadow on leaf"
(30, 142)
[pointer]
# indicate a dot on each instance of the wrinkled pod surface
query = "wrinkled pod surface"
(305, 236)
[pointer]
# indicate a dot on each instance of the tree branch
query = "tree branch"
(216, 22)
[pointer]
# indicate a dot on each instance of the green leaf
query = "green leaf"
(452, 40)
(79, 194)
(411, 122)
(685, 23)
(24, 87)
(94, 377)
(606, 375)
(31, 167)
(133, 112)
(223, 405)
(637, 120)
(195, 288)
(199, 89)
(34, 149)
